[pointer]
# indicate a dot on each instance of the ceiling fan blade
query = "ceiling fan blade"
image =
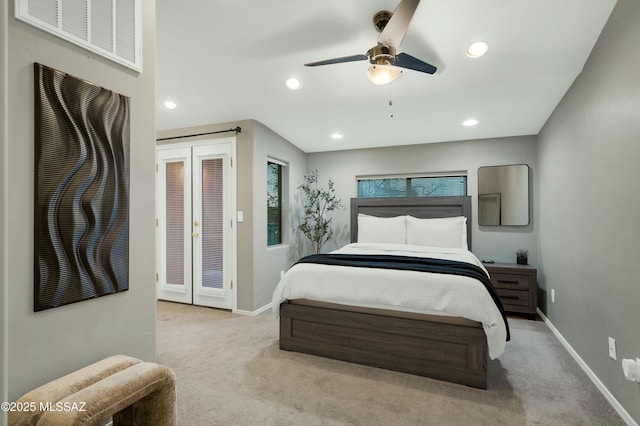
(404, 60)
(395, 29)
(352, 58)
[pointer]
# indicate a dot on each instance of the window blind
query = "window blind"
(174, 227)
(212, 230)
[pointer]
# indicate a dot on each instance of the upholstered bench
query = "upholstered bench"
(120, 387)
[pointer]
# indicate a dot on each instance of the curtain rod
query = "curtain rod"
(237, 130)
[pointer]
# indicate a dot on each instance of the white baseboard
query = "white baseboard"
(601, 387)
(253, 313)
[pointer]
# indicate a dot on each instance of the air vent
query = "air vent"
(111, 28)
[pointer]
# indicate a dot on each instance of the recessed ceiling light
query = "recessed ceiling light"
(170, 105)
(294, 84)
(470, 122)
(477, 49)
(337, 136)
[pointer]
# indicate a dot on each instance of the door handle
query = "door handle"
(195, 235)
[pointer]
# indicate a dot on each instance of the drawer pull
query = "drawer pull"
(509, 297)
(509, 282)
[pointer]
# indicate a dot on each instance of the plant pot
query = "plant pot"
(522, 260)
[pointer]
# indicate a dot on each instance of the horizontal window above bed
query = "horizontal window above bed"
(428, 185)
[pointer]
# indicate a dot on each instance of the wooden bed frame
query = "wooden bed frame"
(446, 348)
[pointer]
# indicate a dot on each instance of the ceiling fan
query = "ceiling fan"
(385, 65)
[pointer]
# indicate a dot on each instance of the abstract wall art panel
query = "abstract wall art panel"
(81, 190)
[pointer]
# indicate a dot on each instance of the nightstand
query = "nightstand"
(517, 287)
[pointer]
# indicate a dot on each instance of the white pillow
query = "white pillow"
(449, 232)
(389, 230)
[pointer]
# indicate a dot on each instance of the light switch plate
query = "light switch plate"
(612, 348)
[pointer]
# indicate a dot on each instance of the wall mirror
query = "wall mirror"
(503, 195)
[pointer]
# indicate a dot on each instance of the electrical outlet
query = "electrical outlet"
(553, 296)
(612, 348)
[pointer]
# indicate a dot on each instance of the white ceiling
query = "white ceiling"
(227, 60)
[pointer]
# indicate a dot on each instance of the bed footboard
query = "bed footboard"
(450, 352)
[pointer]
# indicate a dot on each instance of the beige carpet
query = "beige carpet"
(230, 372)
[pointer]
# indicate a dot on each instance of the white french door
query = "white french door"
(195, 239)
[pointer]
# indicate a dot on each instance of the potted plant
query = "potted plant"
(522, 257)
(318, 202)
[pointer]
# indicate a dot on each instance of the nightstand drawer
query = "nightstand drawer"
(513, 297)
(510, 281)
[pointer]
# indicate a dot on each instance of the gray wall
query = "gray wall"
(589, 195)
(269, 261)
(489, 242)
(44, 345)
(258, 266)
(4, 202)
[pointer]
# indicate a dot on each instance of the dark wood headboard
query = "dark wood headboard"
(420, 207)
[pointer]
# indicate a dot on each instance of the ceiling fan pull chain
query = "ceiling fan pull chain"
(390, 102)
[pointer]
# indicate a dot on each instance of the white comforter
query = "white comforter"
(410, 291)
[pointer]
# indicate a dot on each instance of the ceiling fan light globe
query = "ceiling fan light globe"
(383, 74)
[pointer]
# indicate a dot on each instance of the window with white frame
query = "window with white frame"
(275, 184)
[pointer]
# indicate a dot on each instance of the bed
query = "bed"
(416, 340)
